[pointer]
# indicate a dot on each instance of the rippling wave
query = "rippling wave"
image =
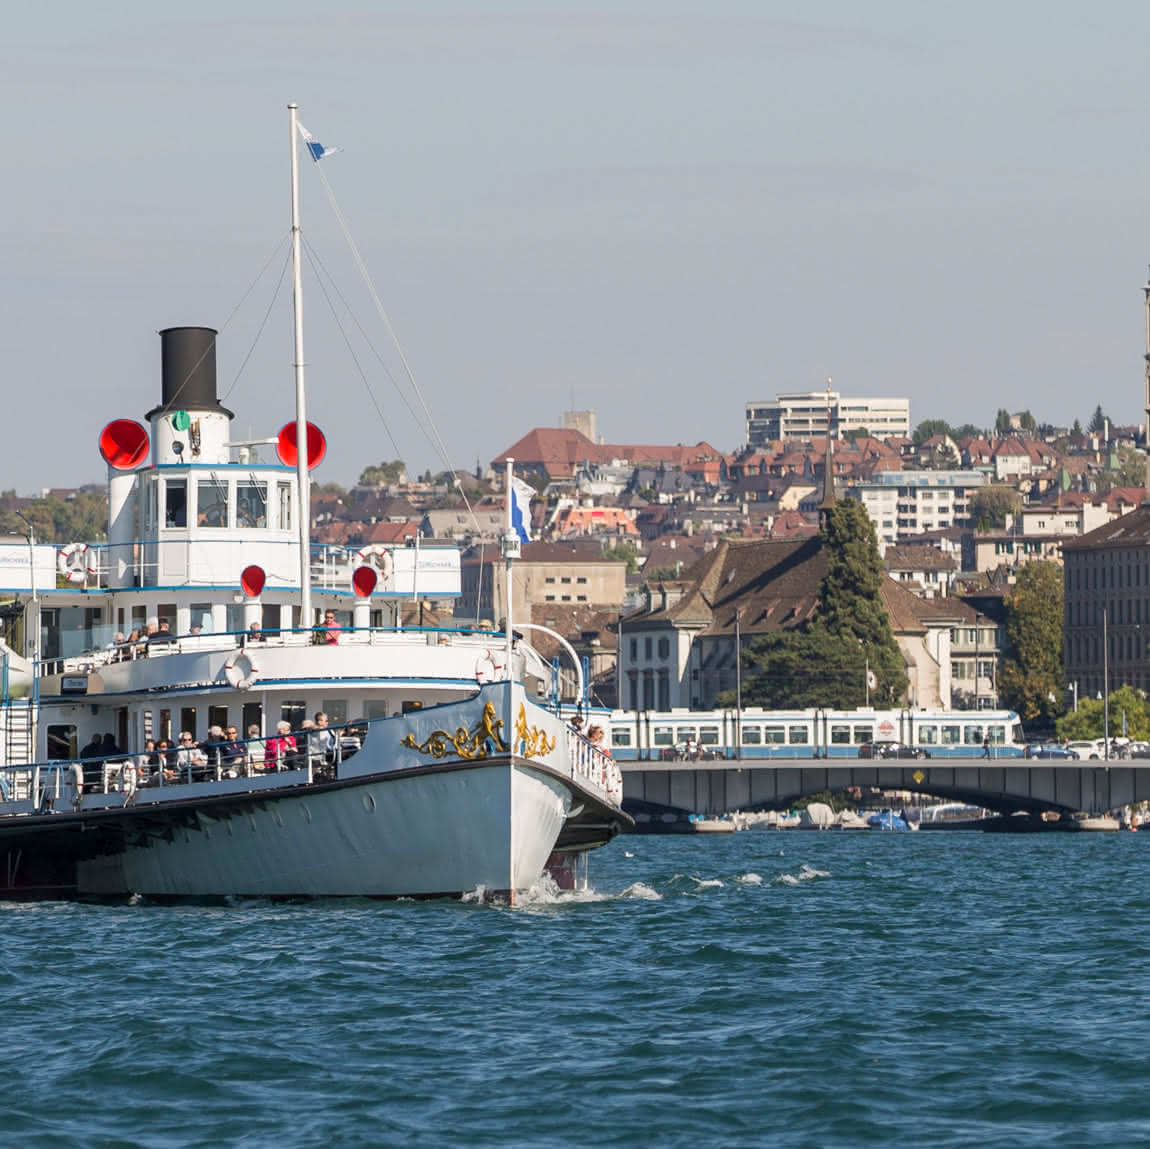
(760, 988)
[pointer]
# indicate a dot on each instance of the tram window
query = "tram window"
(840, 735)
(799, 736)
(335, 709)
(951, 735)
(863, 734)
(1016, 735)
(708, 736)
(752, 735)
(774, 734)
(61, 743)
(686, 733)
(928, 735)
(620, 735)
(972, 735)
(997, 734)
(293, 711)
(663, 736)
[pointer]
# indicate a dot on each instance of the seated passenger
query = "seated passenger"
(279, 748)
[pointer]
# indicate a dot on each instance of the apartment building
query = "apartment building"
(804, 415)
(904, 503)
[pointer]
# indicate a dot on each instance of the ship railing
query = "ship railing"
(126, 651)
(594, 767)
(61, 785)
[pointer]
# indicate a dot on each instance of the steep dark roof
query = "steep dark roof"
(1131, 530)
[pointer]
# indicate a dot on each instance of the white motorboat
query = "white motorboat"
(435, 771)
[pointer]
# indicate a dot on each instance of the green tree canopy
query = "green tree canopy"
(1088, 720)
(383, 474)
(930, 427)
(825, 662)
(966, 431)
(1032, 674)
(1002, 421)
(1097, 420)
(989, 506)
(624, 553)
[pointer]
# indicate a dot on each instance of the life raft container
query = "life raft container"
(241, 672)
(72, 562)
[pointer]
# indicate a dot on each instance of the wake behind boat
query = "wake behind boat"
(260, 718)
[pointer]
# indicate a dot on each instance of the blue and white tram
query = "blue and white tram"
(706, 734)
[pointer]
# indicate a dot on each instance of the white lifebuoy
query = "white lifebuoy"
(487, 669)
(72, 562)
(241, 672)
(378, 556)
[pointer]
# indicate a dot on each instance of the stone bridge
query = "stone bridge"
(1003, 786)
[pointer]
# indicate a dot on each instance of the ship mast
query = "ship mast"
(1146, 291)
(303, 515)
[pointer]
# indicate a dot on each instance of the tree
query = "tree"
(966, 431)
(1098, 420)
(1002, 421)
(930, 427)
(825, 662)
(1076, 429)
(989, 507)
(1027, 421)
(624, 553)
(1089, 720)
(1031, 678)
(383, 474)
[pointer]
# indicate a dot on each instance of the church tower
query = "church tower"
(826, 505)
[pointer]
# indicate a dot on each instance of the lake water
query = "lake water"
(760, 988)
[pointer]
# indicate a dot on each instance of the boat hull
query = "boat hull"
(486, 827)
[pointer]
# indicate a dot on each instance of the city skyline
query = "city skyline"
(661, 213)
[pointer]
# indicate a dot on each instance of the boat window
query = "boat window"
(335, 709)
(294, 712)
(253, 716)
(165, 730)
(840, 735)
(774, 734)
(997, 734)
(251, 503)
(708, 736)
(863, 734)
(620, 735)
(212, 503)
(61, 743)
(218, 716)
(200, 614)
(375, 708)
(752, 735)
(284, 490)
(188, 720)
(928, 735)
(176, 503)
(799, 736)
(151, 494)
(972, 735)
(950, 735)
(663, 736)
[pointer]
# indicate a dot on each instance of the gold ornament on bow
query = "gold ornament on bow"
(475, 744)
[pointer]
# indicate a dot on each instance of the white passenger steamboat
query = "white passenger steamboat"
(435, 769)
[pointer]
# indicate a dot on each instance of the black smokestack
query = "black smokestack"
(188, 366)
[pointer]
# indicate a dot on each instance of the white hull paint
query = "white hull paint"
(490, 825)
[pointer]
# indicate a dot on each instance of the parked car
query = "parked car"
(891, 750)
(1052, 750)
(1087, 748)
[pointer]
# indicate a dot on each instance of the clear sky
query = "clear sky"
(659, 210)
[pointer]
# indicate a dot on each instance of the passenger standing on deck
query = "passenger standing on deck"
(328, 633)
